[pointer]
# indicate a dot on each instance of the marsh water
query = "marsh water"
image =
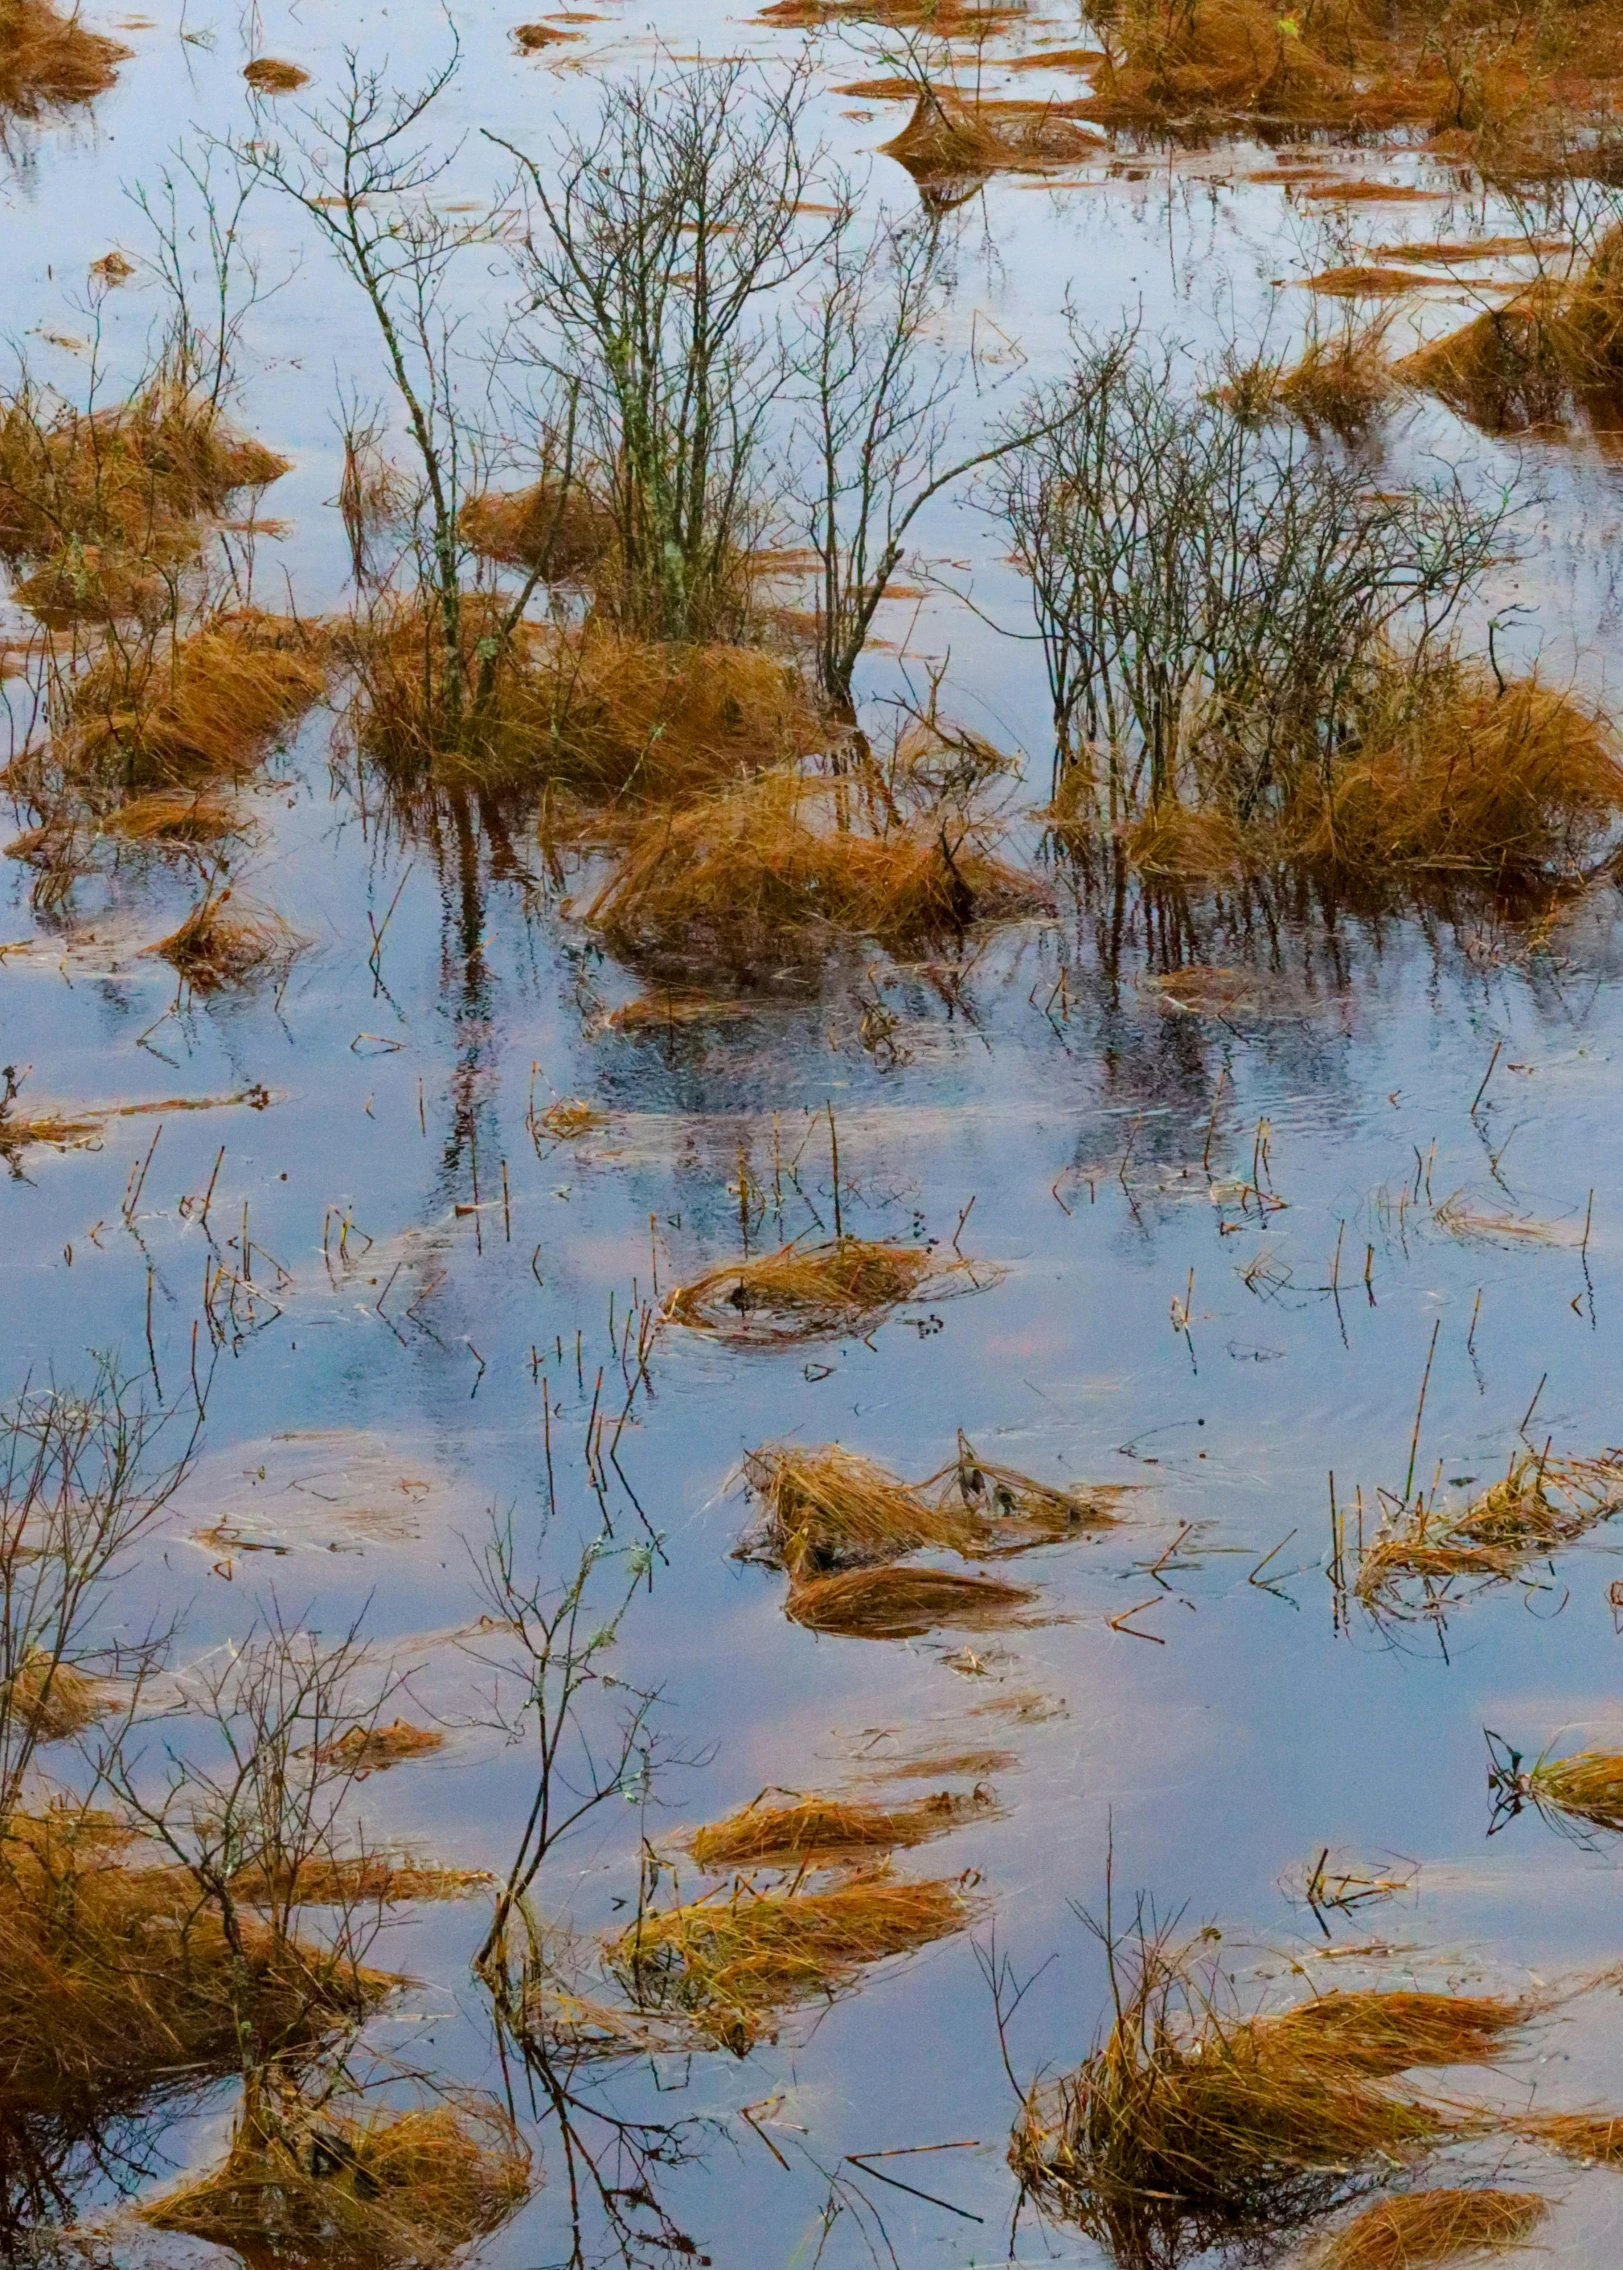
(1209, 1216)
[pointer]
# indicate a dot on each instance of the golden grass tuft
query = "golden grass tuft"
(115, 1984)
(1456, 775)
(903, 1602)
(56, 1700)
(1593, 2138)
(1434, 2226)
(174, 815)
(368, 2192)
(824, 1828)
(223, 943)
(605, 717)
(736, 1962)
(944, 19)
(268, 75)
(1190, 2125)
(1587, 1785)
(48, 60)
(1341, 382)
(783, 861)
(825, 1509)
(1379, 2034)
(569, 1118)
(566, 529)
(808, 1292)
(1539, 1505)
(532, 38)
(55, 1130)
(1502, 370)
(1364, 282)
(191, 710)
(134, 478)
(665, 1010)
(949, 137)
(373, 1749)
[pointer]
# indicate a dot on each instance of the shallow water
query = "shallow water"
(1189, 1698)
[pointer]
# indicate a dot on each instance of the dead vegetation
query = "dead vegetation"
(563, 525)
(59, 1700)
(48, 60)
(100, 494)
(1423, 2227)
(1552, 350)
(1191, 2124)
(269, 75)
(1594, 2139)
(734, 1964)
(373, 1749)
(784, 863)
(821, 1829)
(951, 138)
(826, 1509)
(904, 1601)
(942, 19)
(811, 1292)
(225, 942)
(1539, 1505)
(371, 2190)
(1341, 381)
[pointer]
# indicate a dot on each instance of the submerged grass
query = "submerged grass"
(362, 2190)
(735, 1963)
(825, 1509)
(951, 138)
(223, 943)
(810, 1292)
(823, 1828)
(903, 1601)
(1434, 2226)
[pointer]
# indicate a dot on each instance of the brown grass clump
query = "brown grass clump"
(48, 60)
(133, 479)
(1593, 2138)
(565, 528)
(589, 711)
(1190, 2125)
(945, 19)
(903, 1602)
(174, 815)
(737, 1961)
(665, 1010)
(805, 1292)
(367, 2192)
(57, 1701)
(1341, 382)
(783, 861)
(570, 1117)
(268, 76)
(221, 944)
(532, 38)
(950, 138)
(820, 1829)
(1538, 1506)
(1530, 363)
(1434, 2226)
(373, 1749)
(56, 1130)
(1457, 774)
(1376, 2035)
(1588, 1785)
(115, 1984)
(194, 709)
(828, 1509)
(1365, 282)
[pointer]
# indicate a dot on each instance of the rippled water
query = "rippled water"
(1194, 1705)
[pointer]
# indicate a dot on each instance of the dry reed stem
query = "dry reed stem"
(378, 2191)
(823, 1828)
(904, 1602)
(1434, 2226)
(825, 1509)
(808, 1292)
(736, 1962)
(781, 863)
(48, 60)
